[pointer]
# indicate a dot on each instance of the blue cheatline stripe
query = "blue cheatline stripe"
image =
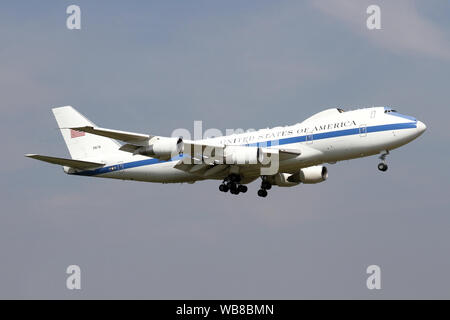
(127, 165)
(316, 136)
(334, 134)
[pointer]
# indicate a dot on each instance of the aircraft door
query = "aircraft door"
(363, 130)
(120, 169)
(309, 138)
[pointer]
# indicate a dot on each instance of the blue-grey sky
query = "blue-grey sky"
(153, 66)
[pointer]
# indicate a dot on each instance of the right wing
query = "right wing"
(76, 164)
(211, 167)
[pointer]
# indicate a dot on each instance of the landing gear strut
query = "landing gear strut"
(232, 184)
(265, 185)
(382, 166)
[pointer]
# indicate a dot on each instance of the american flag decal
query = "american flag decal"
(76, 134)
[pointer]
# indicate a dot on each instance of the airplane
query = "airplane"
(281, 156)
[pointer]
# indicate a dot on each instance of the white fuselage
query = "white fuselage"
(328, 137)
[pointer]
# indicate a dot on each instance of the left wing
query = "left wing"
(128, 137)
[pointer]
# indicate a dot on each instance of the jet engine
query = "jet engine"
(163, 148)
(310, 175)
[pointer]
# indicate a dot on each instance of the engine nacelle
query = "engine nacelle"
(163, 148)
(282, 180)
(242, 155)
(310, 175)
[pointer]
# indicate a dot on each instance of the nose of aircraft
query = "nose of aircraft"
(421, 127)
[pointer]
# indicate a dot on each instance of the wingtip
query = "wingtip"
(29, 155)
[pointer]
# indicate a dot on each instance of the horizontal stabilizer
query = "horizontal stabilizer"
(76, 164)
(125, 136)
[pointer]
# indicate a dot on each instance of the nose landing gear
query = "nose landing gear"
(262, 193)
(382, 166)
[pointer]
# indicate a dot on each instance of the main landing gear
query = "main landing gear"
(265, 185)
(231, 183)
(382, 166)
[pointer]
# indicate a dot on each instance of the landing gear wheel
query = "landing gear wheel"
(234, 191)
(262, 193)
(223, 187)
(382, 166)
(233, 188)
(242, 188)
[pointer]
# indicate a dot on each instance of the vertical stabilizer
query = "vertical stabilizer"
(82, 145)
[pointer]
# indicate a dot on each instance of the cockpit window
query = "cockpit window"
(389, 110)
(340, 110)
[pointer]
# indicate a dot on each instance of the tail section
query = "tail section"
(82, 145)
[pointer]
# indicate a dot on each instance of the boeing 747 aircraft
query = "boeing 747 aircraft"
(282, 156)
